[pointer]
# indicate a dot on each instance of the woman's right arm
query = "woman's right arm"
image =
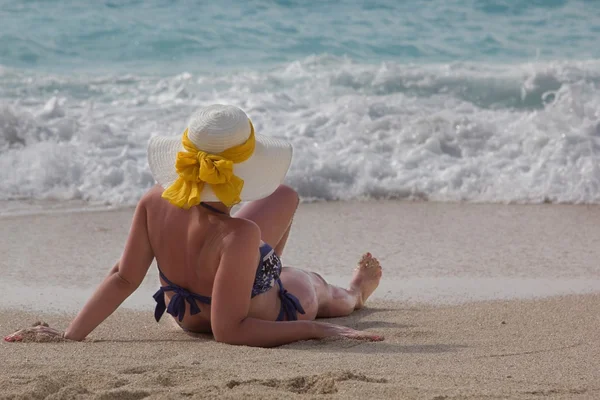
(261, 333)
(231, 296)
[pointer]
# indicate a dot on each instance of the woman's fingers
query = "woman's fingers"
(15, 337)
(339, 330)
(361, 335)
(47, 330)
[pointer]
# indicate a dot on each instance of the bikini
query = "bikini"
(267, 273)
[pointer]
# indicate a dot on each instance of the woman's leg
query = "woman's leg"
(335, 301)
(322, 300)
(273, 215)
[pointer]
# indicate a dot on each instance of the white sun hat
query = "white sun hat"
(213, 130)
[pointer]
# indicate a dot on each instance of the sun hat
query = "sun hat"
(219, 157)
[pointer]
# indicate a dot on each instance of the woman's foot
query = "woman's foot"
(366, 279)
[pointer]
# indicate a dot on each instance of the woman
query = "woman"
(208, 259)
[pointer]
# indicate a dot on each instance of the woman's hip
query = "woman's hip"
(301, 284)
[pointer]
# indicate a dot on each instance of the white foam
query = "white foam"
(499, 133)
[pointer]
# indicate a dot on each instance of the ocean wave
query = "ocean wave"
(446, 132)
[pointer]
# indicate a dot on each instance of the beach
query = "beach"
(458, 142)
(477, 301)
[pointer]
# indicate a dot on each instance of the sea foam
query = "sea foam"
(447, 132)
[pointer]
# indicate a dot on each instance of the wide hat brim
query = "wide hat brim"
(262, 173)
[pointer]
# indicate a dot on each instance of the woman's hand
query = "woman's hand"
(39, 332)
(332, 330)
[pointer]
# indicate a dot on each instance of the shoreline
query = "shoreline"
(438, 253)
(35, 207)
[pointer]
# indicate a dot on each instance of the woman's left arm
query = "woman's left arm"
(123, 279)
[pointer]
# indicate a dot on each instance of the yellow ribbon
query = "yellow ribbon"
(197, 168)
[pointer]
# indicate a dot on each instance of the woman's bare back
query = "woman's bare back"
(188, 245)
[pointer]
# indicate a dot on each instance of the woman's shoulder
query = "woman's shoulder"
(241, 229)
(155, 191)
(152, 197)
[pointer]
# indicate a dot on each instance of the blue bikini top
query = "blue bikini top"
(267, 273)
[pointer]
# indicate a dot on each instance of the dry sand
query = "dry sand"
(455, 306)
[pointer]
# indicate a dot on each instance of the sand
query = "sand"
(477, 301)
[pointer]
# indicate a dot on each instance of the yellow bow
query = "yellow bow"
(196, 167)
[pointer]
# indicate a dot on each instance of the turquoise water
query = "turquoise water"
(493, 101)
(175, 35)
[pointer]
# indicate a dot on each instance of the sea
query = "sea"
(441, 100)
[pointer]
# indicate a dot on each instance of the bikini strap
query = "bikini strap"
(211, 208)
(290, 305)
(177, 304)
